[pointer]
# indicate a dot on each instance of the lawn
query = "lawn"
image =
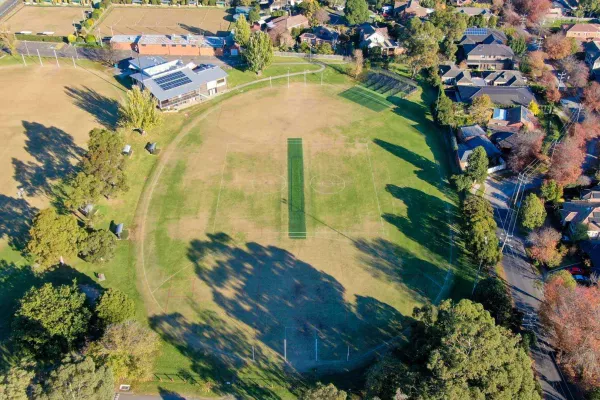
(211, 266)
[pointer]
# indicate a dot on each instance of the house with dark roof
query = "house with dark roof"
(475, 36)
(504, 78)
(512, 119)
(500, 95)
(285, 23)
(450, 74)
(414, 9)
(474, 11)
(469, 138)
(585, 211)
(488, 56)
(320, 35)
(592, 56)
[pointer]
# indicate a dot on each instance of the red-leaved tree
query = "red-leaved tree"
(544, 246)
(591, 97)
(566, 161)
(571, 314)
(557, 46)
(527, 146)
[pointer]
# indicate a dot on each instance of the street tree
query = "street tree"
(492, 293)
(356, 11)
(569, 314)
(591, 97)
(479, 230)
(105, 161)
(557, 46)
(77, 377)
(129, 349)
(51, 320)
(533, 213)
(242, 31)
(98, 246)
(551, 191)
(114, 307)
(518, 44)
(535, 64)
(566, 162)
(259, 52)
(543, 246)
(53, 237)
(139, 110)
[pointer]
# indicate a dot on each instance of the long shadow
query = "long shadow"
(15, 220)
(54, 152)
(103, 108)
(428, 226)
(288, 305)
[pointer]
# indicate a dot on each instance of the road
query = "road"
(167, 395)
(7, 5)
(526, 288)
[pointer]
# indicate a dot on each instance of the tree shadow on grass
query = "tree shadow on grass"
(103, 108)
(54, 152)
(15, 220)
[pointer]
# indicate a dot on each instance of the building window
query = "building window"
(222, 80)
(163, 45)
(184, 45)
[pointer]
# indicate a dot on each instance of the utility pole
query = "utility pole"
(561, 76)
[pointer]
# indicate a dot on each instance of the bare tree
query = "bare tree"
(8, 40)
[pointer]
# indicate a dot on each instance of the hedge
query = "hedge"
(41, 38)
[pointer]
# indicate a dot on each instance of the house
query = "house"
(452, 75)
(556, 11)
(460, 3)
(511, 119)
(471, 137)
(319, 35)
(592, 56)
(414, 9)
(500, 95)
(371, 37)
(174, 83)
(488, 56)
(474, 11)
(504, 78)
(475, 36)
(584, 31)
(286, 23)
(585, 211)
(399, 6)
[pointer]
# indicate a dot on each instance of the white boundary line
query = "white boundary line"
(220, 187)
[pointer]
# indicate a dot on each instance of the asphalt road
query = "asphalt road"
(6, 6)
(525, 284)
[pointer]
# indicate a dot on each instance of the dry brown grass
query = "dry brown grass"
(45, 19)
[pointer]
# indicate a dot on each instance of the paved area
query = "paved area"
(525, 284)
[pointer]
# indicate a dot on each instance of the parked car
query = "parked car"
(583, 280)
(575, 270)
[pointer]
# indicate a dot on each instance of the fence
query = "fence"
(310, 56)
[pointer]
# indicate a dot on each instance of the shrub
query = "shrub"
(71, 38)
(90, 39)
(41, 38)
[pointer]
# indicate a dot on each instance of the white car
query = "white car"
(339, 8)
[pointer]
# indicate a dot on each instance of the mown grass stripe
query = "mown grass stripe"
(297, 218)
(367, 98)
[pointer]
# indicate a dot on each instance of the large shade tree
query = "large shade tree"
(51, 320)
(259, 52)
(106, 162)
(356, 11)
(479, 230)
(139, 110)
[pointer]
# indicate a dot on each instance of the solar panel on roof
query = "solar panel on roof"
(173, 80)
(476, 31)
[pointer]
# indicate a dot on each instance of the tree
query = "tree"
(535, 10)
(82, 189)
(480, 110)
(534, 108)
(479, 230)
(8, 40)
(566, 162)
(254, 15)
(15, 383)
(114, 307)
(51, 320)
(493, 22)
(422, 44)
(242, 31)
(358, 63)
(98, 246)
(140, 110)
(321, 16)
(476, 171)
(322, 392)
(534, 63)
(53, 236)
(445, 113)
(356, 11)
(324, 48)
(518, 44)
(533, 213)
(569, 314)
(129, 349)
(543, 246)
(309, 9)
(580, 232)
(551, 191)
(77, 378)
(105, 161)
(461, 354)
(591, 97)
(259, 52)
(492, 293)
(557, 46)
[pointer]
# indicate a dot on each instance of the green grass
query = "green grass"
(240, 76)
(297, 219)
(367, 98)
